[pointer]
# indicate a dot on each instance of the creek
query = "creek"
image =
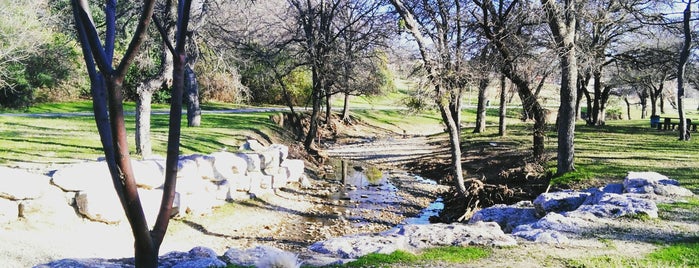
(364, 189)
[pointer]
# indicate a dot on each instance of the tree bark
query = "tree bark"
(481, 110)
(191, 88)
(502, 130)
(628, 108)
(345, 109)
(684, 56)
(143, 112)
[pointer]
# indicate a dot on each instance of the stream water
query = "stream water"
(368, 188)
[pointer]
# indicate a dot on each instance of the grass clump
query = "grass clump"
(383, 260)
(579, 175)
(674, 255)
(453, 254)
(678, 255)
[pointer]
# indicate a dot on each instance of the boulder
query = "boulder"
(559, 201)
(54, 205)
(294, 169)
(188, 169)
(507, 216)
(421, 236)
(150, 200)
(83, 263)
(282, 149)
(149, 173)
(100, 205)
(95, 175)
(352, 247)
(198, 257)
(269, 162)
(204, 166)
(279, 180)
(73, 178)
(198, 204)
(252, 145)
(228, 166)
(655, 183)
(260, 183)
(261, 256)
(608, 205)
(18, 184)
(540, 235)
(567, 222)
(9, 210)
(254, 161)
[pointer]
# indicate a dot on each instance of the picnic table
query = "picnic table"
(670, 123)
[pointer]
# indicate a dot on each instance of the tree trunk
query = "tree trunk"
(502, 131)
(643, 98)
(532, 108)
(455, 146)
(653, 104)
(597, 88)
(316, 99)
(481, 110)
(566, 112)
(345, 109)
(143, 112)
(661, 104)
(628, 108)
(455, 107)
(192, 90)
(684, 56)
(328, 107)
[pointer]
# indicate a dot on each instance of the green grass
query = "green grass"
(607, 153)
(672, 255)
(71, 139)
(453, 254)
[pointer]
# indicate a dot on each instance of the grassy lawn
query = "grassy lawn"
(70, 139)
(602, 153)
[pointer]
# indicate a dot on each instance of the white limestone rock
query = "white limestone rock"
(100, 205)
(480, 233)
(352, 247)
(9, 210)
(540, 235)
(608, 205)
(507, 216)
(559, 201)
(261, 256)
(252, 145)
(294, 169)
(653, 182)
(228, 166)
(18, 184)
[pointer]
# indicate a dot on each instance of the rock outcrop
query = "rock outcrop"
(552, 215)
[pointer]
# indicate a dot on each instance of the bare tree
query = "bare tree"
(512, 30)
(562, 20)
(684, 56)
(442, 23)
(604, 28)
(106, 89)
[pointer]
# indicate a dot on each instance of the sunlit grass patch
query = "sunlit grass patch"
(674, 255)
(383, 260)
(453, 254)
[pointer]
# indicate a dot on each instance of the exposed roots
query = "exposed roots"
(459, 208)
